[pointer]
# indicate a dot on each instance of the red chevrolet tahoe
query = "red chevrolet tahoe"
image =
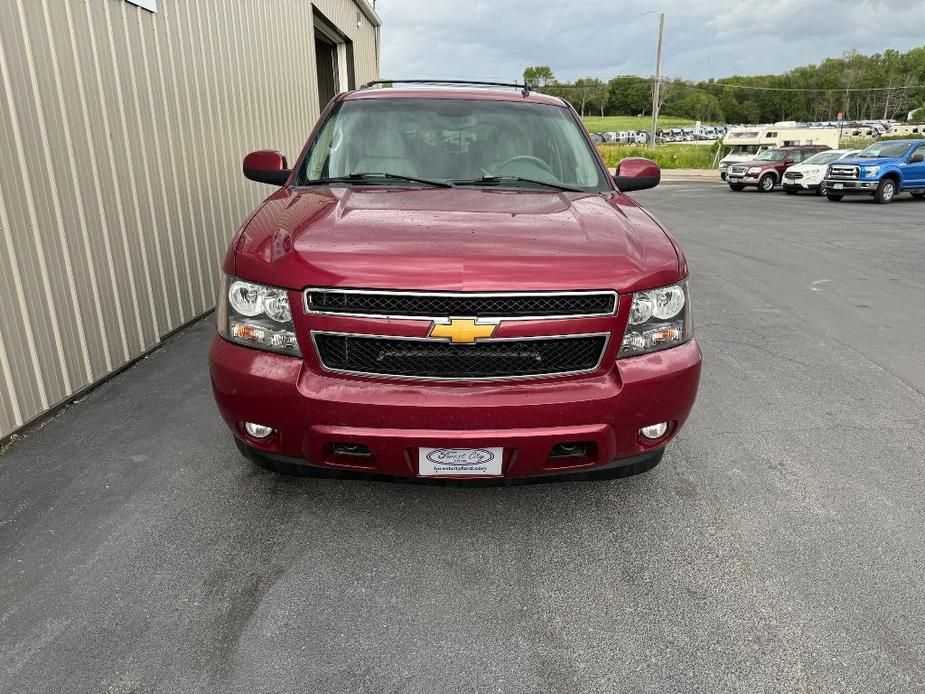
(449, 283)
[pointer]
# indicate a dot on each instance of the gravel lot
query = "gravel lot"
(779, 547)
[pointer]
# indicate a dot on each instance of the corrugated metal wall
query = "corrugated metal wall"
(121, 139)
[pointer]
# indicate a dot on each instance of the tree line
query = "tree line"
(863, 87)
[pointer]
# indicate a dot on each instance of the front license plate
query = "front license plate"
(459, 461)
(837, 186)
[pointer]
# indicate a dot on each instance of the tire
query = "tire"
(790, 191)
(886, 191)
(737, 187)
(766, 183)
(723, 175)
(834, 197)
(820, 189)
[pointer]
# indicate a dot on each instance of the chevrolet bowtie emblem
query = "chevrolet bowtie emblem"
(463, 330)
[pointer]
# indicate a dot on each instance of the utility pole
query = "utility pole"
(658, 80)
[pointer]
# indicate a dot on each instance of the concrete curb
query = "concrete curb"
(675, 175)
(691, 175)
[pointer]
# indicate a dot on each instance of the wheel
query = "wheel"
(723, 175)
(820, 189)
(737, 187)
(791, 191)
(886, 191)
(766, 183)
(834, 197)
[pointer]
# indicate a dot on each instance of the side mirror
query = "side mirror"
(637, 173)
(266, 166)
(917, 158)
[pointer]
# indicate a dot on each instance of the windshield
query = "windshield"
(456, 140)
(824, 158)
(772, 155)
(740, 150)
(885, 149)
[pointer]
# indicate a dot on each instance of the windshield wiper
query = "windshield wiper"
(495, 180)
(376, 176)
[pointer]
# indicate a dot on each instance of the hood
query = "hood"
(809, 168)
(453, 239)
(763, 163)
(854, 161)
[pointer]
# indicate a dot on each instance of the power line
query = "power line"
(703, 86)
(812, 89)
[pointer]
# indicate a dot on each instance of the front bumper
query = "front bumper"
(310, 411)
(850, 187)
(800, 184)
(746, 180)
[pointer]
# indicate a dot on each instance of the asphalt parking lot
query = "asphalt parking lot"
(779, 547)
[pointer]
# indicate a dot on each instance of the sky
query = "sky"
(496, 39)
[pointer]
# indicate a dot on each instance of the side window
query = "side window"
(920, 151)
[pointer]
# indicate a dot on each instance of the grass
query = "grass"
(597, 124)
(670, 156)
(666, 156)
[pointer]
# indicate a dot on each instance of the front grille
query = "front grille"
(443, 305)
(793, 175)
(843, 171)
(409, 358)
(738, 170)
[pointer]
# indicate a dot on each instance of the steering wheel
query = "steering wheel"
(526, 157)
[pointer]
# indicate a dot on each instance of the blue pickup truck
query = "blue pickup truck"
(883, 170)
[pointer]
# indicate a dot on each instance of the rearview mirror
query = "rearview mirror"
(917, 158)
(637, 173)
(266, 166)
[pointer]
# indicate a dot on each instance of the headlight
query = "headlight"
(659, 319)
(870, 170)
(256, 315)
(754, 169)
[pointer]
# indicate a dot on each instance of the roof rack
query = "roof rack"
(525, 89)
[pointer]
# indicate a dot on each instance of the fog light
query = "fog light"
(258, 431)
(654, 431)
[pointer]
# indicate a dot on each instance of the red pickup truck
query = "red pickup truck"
(449, 283)
(767, 169)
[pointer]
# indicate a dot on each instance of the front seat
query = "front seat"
(385, 153)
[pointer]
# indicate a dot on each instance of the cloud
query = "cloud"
(479, 39)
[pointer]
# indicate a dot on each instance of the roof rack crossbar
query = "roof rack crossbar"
(525, 89)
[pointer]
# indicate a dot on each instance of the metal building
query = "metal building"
(123, 124)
